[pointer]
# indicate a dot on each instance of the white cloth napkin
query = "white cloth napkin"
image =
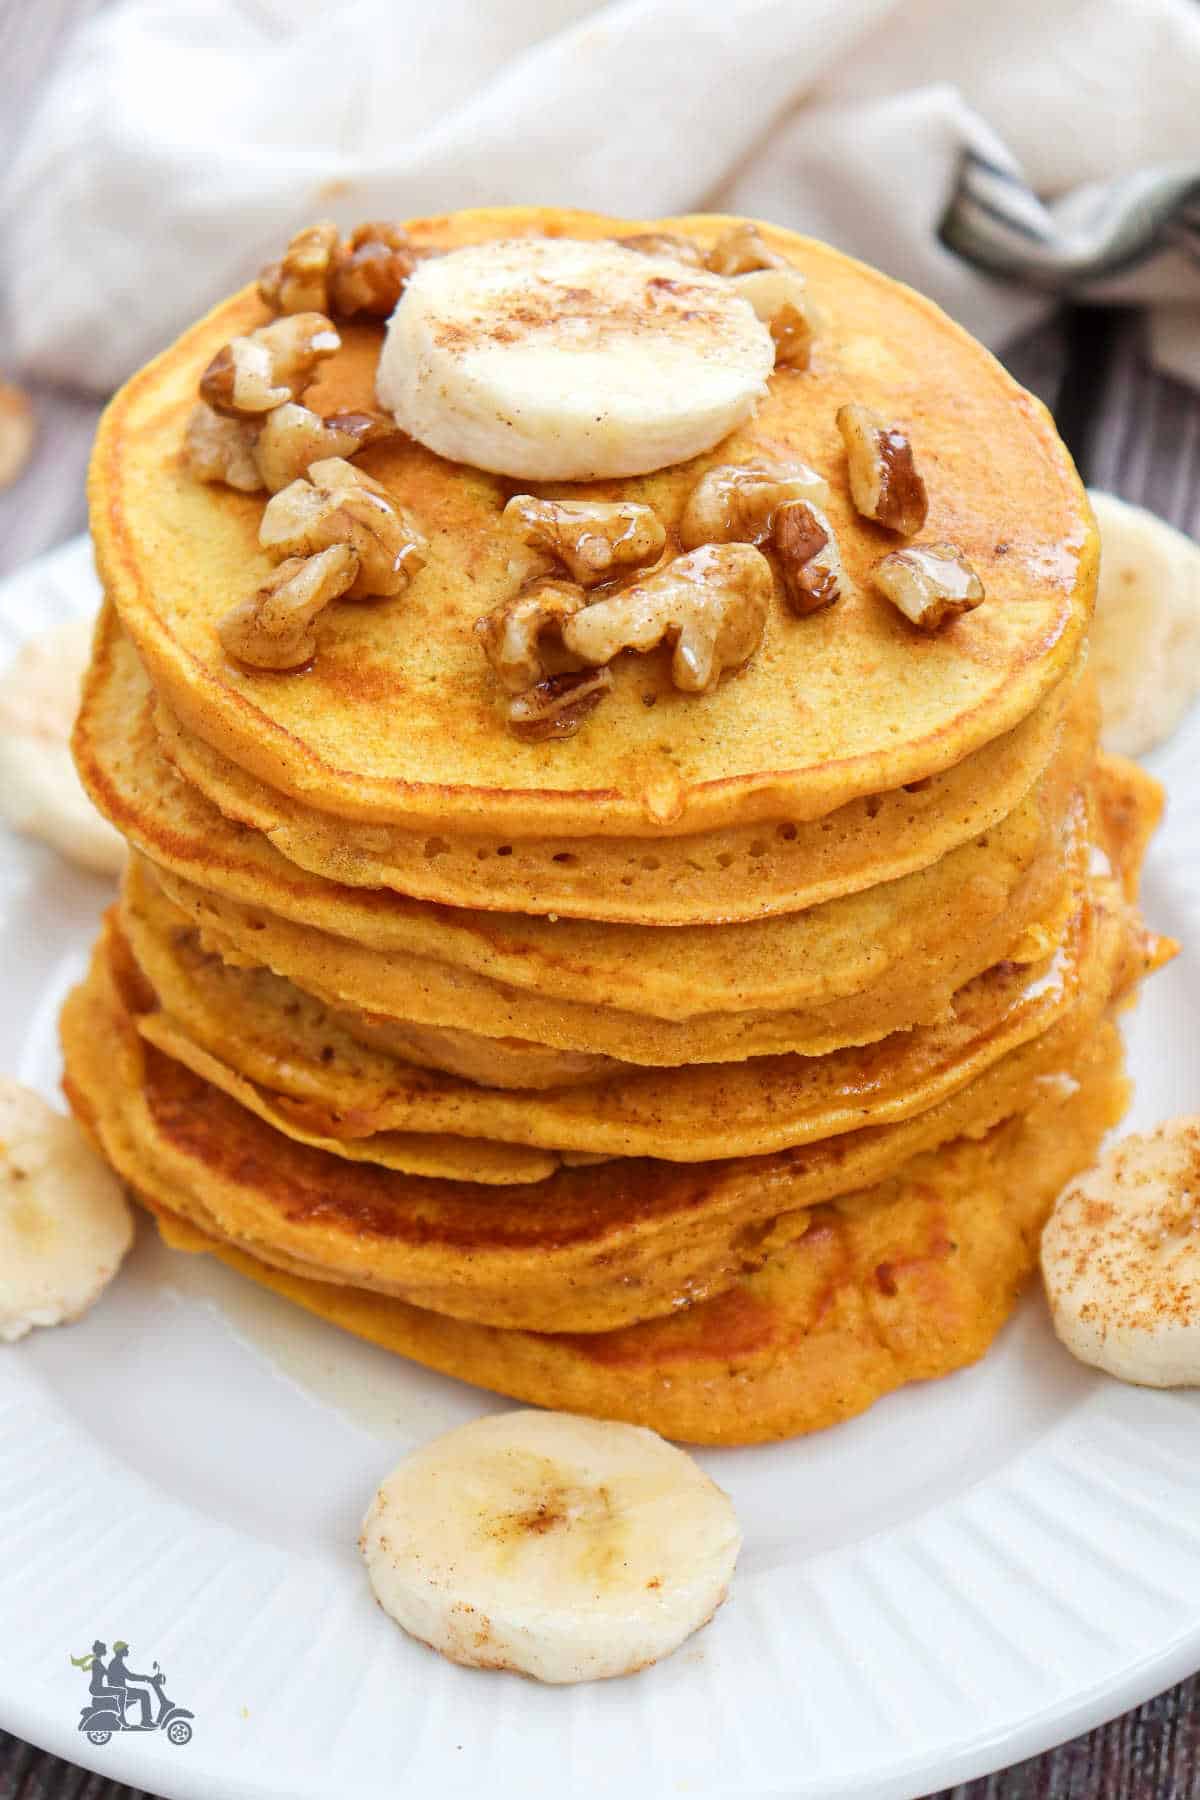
(182, 141)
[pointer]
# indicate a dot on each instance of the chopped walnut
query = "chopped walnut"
(337, 504)
(884, 483)
(367, 274)
(300, 281)
(269, 367)
(511, 636)
(711, 605)
(593, 539)
(663, 243)
(739, 250)
(806, 555)
(370, 272)
(273, 629)
(734, 502)
(221, 449)
(792, 329)
(780, 298)
(557, 706)
(293, 436)
(930, 583)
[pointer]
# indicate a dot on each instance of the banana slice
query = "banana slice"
(1146, 634)
(566, 1548)
(556, 360)
(40, 793)
(1121, 1260)
(64, 1221)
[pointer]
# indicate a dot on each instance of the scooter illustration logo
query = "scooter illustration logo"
(116, 1690)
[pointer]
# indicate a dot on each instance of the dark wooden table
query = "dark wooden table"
(1131, 431)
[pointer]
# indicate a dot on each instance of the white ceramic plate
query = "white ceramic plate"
(975, 1570)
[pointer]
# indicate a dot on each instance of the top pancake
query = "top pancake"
(399, 719)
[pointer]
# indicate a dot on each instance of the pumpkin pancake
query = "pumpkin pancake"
(283, 1054)
(860, 967)
(492, 1062)
(901, 1282)
(955, 923)
(584, 1250)
(716, 877)
(1128, 804)
(440, 1155)
(838, 948)
(398, 721)
(770, 963)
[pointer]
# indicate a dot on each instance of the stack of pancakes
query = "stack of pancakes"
(714, 1069)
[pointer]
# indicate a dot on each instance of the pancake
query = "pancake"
(848, 702)
(770, 963)
(839, 947)
(953, 926)
(903, 1282)
(585, 1250)
(492, 1062)
(717, 877)
(1127, 801)
(865, 965)
(441, 1155)
(281, 1053)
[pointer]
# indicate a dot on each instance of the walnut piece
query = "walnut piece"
(273, 629)
(250, 375)
(663, 243)
(371, 270)
(300, 281)
(337, 504)
(557, 706)
(739, 250)
(735, 502)
(711, 605)
(366, 274)
(511, 635)
(780, 299)
(884, 483)
(593, 539)
(929, 583)
(293, 436)
(806, 555)
(221, 449)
